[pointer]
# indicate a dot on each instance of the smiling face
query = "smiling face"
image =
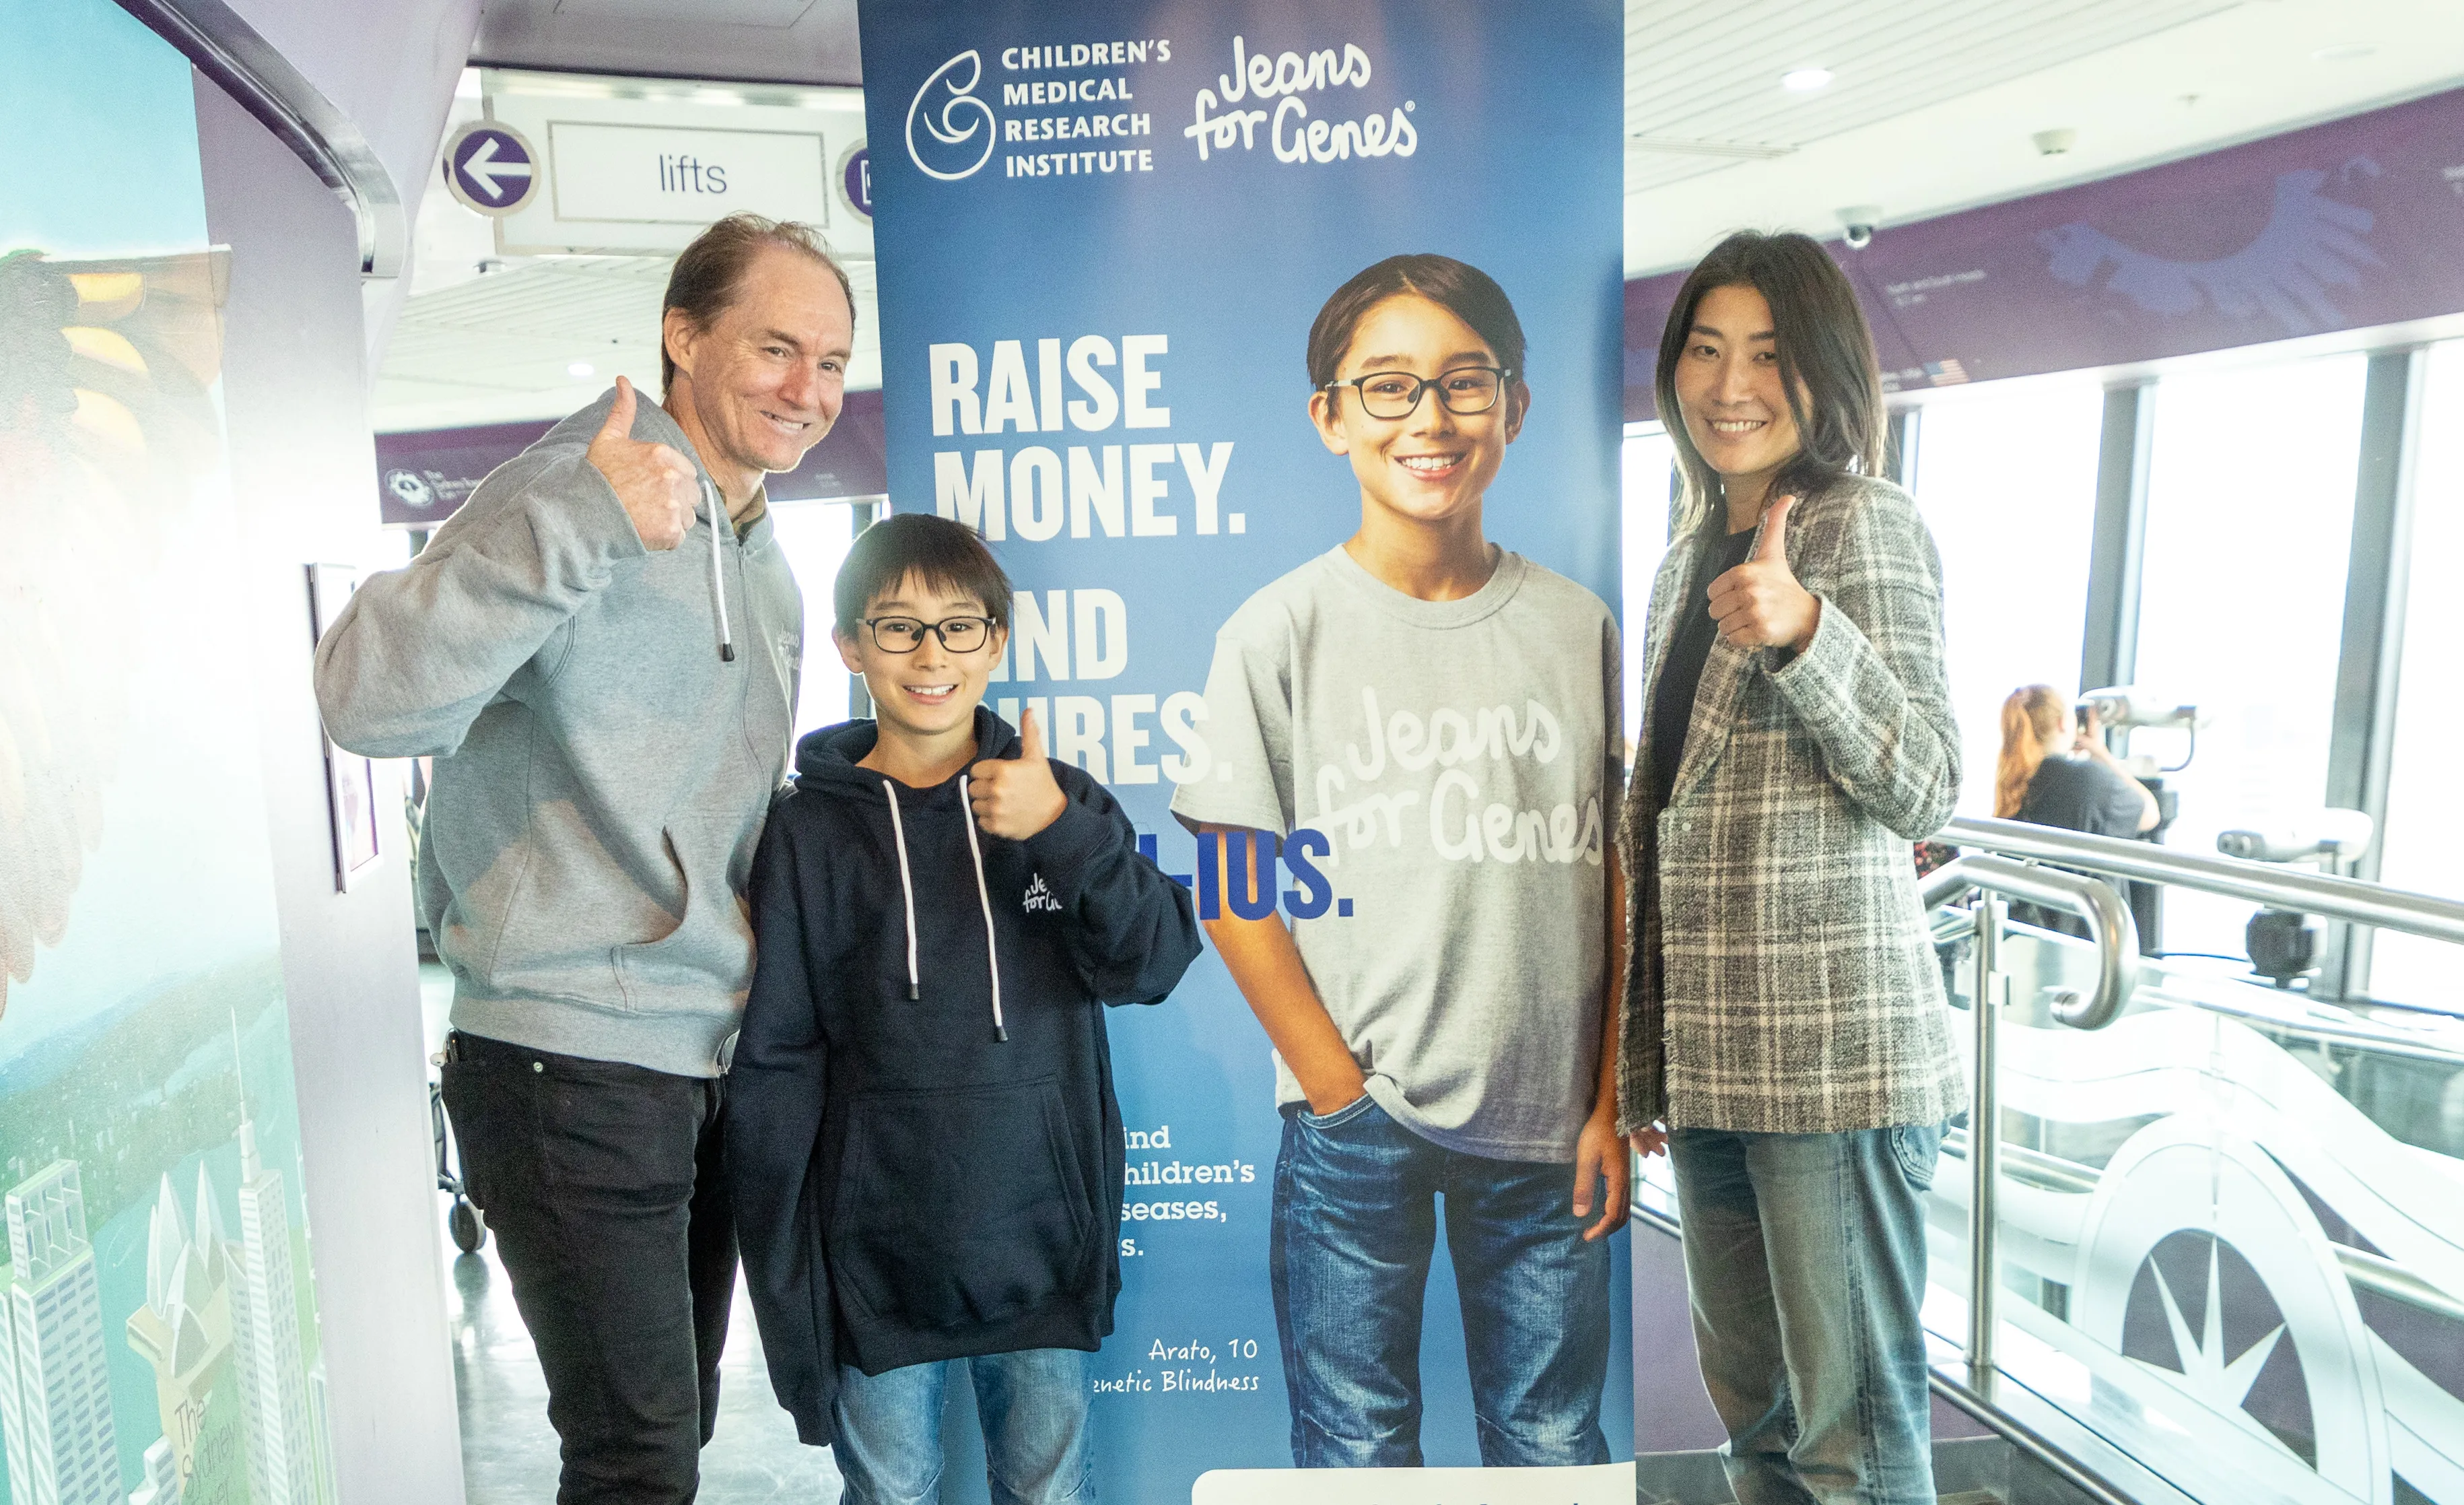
(765, 378)
(928, 695)
(1432, 466)
(1729, 389)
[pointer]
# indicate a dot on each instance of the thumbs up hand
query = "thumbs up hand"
(1759, 603)
(1017, 797)
(656, 484)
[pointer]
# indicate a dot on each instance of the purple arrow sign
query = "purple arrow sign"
(856, 181)
(491, 168)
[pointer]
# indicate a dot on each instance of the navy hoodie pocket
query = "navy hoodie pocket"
(961, 1207)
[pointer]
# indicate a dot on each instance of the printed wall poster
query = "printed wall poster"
(1104, 233)
(158, 1330)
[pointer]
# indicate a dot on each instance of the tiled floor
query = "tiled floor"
(509, 1453)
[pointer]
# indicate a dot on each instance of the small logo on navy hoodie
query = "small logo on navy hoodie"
(1039, 897)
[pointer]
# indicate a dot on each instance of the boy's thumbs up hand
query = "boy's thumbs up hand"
(1759, 603)
(1017, 797)
(656, 485)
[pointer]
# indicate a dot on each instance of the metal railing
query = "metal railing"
(2322, 894)
(2115, 935)
(2004, 860)
(1989, 866)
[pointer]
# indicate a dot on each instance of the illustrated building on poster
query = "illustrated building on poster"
(55, 1383)
(274, 1381)
(321, 1434)
(162, 1486)
(184, 1329)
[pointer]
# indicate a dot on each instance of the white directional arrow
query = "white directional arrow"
(484, 168)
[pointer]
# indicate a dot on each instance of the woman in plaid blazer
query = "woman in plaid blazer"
(1785, 1029)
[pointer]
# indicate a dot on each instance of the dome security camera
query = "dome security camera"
(1857, 223)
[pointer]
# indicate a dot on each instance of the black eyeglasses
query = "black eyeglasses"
(1464, 390)
(904, 634)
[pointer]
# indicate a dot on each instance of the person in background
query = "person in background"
(1786, 1028)
(926, 1152)
(2055, 771)
(600, 651)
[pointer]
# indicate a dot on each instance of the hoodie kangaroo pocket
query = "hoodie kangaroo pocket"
(709, 942)
(959, 1208)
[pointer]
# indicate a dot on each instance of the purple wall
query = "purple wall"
(2344, 226)
(423, 475)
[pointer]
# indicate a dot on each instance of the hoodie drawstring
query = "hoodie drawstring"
(906, 887)
(983, 896)
(718, 520)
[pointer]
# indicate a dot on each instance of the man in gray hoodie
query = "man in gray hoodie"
(601, 649)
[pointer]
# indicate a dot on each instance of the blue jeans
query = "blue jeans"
(1805, 1254)
(1355, 1225)
(1033, 1406)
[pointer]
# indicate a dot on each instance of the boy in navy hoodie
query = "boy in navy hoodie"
(922, 1141)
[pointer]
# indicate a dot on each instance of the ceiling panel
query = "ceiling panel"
(1963, 87)
(771, 14)
(1702, 87)
(778, 42)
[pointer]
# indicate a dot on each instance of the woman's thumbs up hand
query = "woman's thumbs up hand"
(1759, 603)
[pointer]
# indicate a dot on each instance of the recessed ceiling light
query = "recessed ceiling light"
(2348, 52)
(581, 369)
(1804, 81)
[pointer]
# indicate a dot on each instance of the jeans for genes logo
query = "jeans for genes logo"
(958, 128)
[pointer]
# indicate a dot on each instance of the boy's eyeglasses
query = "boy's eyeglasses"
(1464, 390)
(904, 634)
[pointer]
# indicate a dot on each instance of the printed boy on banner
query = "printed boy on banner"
(1444, 715)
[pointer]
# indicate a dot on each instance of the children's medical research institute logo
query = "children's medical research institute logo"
(958, 130)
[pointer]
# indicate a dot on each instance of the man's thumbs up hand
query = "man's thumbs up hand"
(1017, 797)
(1759, 603)
(656, 485)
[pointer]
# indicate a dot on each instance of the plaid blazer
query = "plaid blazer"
(1781, 977)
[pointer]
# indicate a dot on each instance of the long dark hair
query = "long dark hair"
(1826, 366)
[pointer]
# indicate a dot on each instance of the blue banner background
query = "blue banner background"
(1517, 170)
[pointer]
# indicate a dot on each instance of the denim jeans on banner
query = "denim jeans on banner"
(1805, 1254)
(1355, 1227)
(1033, 1408)
(601, 1184)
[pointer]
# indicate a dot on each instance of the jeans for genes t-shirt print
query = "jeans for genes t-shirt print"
(1462, 759)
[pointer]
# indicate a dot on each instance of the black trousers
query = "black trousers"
(604, 1187)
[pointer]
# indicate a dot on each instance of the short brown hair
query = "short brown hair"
(707, 273)
(1457, 287)
(1825, 346)
(947, 556)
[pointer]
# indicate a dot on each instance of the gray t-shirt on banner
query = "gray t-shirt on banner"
(1460, 757)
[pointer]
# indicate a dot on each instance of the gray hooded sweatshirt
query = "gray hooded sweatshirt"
(603, 766)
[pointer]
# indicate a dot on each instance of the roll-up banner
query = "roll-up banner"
(1103, 232)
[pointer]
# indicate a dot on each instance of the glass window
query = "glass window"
(2250, 508)
(2005, 475)
(2423, 845)
(1649, 464)
(815, 536)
